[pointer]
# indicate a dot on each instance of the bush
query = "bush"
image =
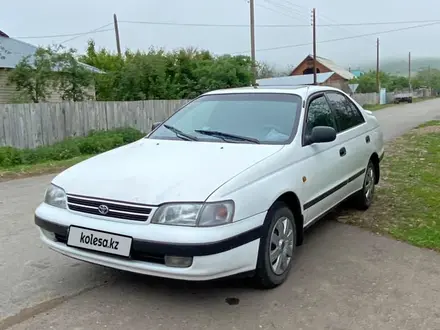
(97, 144)
(9, 156)
(94, 143)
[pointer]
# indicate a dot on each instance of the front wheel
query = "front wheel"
(364, 197)
(277, 247)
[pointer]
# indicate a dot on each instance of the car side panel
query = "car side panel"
(377, 137)
(256, 189)
(355, 140)
(323, 170)
(356, 159)
(369, 141)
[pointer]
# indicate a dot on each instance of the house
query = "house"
(11, 53)
(339, 78)
(357, 73)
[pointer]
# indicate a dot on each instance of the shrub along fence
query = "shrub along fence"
(94, 143)
(43, 124)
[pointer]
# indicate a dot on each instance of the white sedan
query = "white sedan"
(225, 186)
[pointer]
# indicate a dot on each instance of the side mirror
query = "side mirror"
(322, 134)
(153, 127)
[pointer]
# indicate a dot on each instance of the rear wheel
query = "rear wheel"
(277, 247)
(364, 197)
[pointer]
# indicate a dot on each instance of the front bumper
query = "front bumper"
(219, 253)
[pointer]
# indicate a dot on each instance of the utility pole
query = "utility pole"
(409, 70)
(252, 26)
(377, 68)
(314, 45)
(118, 42)
(429, 79)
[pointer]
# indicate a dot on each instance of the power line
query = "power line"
(78, 34)
(381, 23)
(342, 28)
(277, 25)
(344, 38)
(101, 29)
(324, 18)
(59, 35)
(296, 5)
(89, 32)
(284, 13)
(286, 8)
(219, 25)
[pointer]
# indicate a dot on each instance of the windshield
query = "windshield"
(268, 118)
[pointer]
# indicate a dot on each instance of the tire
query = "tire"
(364, 197)
(267, 274)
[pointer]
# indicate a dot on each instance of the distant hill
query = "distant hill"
(400, 66)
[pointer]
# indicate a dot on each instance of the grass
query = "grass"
(23, 171)
(16, 163)
(407, 204)
(421, 99)
(374, 107)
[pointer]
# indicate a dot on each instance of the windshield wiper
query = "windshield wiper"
(181, 134)
(223, 136)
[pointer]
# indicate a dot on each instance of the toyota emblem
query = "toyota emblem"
(103, 209)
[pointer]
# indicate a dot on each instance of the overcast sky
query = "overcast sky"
(23, 18)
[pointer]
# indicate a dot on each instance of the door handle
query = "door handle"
(367, 139)
(342, 152)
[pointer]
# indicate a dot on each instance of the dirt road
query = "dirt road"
(344, 277)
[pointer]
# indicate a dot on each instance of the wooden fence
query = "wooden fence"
(33, 125)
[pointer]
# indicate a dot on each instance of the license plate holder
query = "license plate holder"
(98, 240)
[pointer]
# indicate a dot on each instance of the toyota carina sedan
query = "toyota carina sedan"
(225, 186)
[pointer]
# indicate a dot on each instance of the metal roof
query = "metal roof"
(335, 68)
(332, 66)
(295, 80)
(357, 73)
(13, 50)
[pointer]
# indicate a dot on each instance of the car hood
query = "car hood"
(158, 171)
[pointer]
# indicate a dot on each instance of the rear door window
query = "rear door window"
(347, 114)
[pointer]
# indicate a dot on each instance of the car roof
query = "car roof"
(301, 90)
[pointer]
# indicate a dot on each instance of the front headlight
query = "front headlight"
(55, 196)
(195, 214)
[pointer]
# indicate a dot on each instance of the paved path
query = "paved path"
(344, 277)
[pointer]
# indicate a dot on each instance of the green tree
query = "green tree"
(33, 75)
(265, 70)
(72, 78)
(367, 82)
(427, 78)
(157, 74)
(51, 69)
(105, 84)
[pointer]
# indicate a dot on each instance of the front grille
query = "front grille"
(119, 210)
